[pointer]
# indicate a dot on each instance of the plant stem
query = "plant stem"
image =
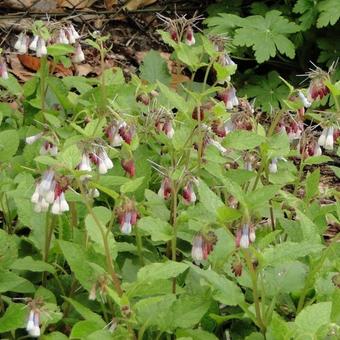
(299, 177)
(109, 261)
(253, 276)
(43, 76)
(48, 238)
(173, 218)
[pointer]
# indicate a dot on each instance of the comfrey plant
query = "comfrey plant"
(157, 209)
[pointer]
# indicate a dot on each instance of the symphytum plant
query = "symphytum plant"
(144, 210)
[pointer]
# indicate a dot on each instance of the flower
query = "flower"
(112, 133)
(127, 216)
(73, 31)
(165, 189)
(48, 148)
(244, 236)
(50, 191)
(198, 113)
(327, 138)
(62, 39)
(273, 166)
(237, 267)
(100, 158)
(305, 101)
(3, 70)
(78, 56)
(189, 36)
(32, 326)
(85, 164)
(126, 133)
(41, 48)
(228, 96)
(34, 138)
(34, 43)
(129, 167)
(188, 193)
(221, 129)
(21, 44)
(202, 246)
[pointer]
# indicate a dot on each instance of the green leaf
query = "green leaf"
(158, 229)
(266, 35)
(9, 143)
(223, 23)
(261, 197)
(154, 68)
(172, 98)
(12, 85)
(77, 260)
(311, 318)
(52, 119)
(83, 328)
(268, 90)
(70, 157)
(27, 263)
(194, 334)
(223, 72)
(155, 311)
(56, 50)
(54, 336)
(227, 215)
(188, 310)
(314, 160)
(131, 185)
(242, 140)
(208, 198)
(60, 91)
(15, 317)
(8, 250)
(309, 11)
(10, 282)
(336, 171)
(85, 312)
(312, 184)
(289, 251)
(164, 270)
(330, 13)
(224, 290)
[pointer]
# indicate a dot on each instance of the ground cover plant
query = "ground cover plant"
(166, 205)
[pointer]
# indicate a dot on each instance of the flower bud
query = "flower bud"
(3, 70)
(189, 36)
(34, 138)
(129, 167)
(165, 189)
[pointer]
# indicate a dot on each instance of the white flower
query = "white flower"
(3, 70)
(126, 227)
(74, 32)
(56, 207)
(34, 43)
(85, 164)
(329, 142)
(273, 166)
(78, 56)
(63, 203)
(322, 138)
(62, 39)
(34, 138)
(30, 321)
(244, 242)
(41, 48)
(305, 101)
(197, 248)
(21, 44)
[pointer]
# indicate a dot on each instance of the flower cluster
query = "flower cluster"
(65, 35)
(97, 156)
(47, 148)
(50, 190)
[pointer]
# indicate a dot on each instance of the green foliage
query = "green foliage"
(144, 208)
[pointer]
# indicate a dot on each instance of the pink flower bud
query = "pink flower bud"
(129, 167)
(189, 36)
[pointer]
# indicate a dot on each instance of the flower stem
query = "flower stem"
(173, 218)
(253, 276)
(139, 243)
(50, 222)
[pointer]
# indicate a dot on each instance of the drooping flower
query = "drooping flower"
(50, 191)
(3, 70)
(188, 193)
(273, 166)
(129, 166)
(85, 164)
(34, 43)
(78, 56)
(244, 236)
(127, 216)
(189, 36)
(33, 323)
(165, 189)
(73, 31)
(62, 38)
(126, 132)
(305, 101)
(202, 245)
(327, 138)
(48, 148)
(41, 48)
(228, 96)
(113, 135)
(221, 129)
(21, 44)
(34, 138)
